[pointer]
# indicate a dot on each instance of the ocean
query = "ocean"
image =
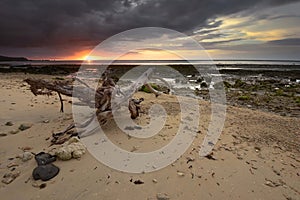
(246, 69)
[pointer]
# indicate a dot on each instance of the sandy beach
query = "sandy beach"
(150, 100)
(257, 156)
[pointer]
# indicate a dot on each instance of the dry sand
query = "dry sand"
(257, 154)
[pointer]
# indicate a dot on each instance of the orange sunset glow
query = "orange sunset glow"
(141, 54)
(81, 55)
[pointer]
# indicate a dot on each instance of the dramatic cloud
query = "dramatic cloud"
(58, 29)
(286, 42)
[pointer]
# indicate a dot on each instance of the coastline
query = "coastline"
(271, 88)
(256, 156)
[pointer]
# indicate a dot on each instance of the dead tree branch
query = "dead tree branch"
(103, 99)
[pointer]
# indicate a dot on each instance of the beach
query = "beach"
(256, 157)
(150, 100)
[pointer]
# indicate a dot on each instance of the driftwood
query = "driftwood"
(99, 98)
(134, 107)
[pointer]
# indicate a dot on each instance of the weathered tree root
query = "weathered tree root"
(101, 100)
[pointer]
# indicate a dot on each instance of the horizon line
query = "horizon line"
(291, 60)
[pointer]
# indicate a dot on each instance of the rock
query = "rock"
(190, 159)
(15, 131)
(43, 158)
(71, 149)
(154, 180)
(26, 148)
(45, 172)
(24, 127)
(138, 182)
(257, 149)
(9, 123)
(3, 134)
(203, 85)
(129, 128)
(240, 157)
(180, 173)
(34, 184)
(272, 183)
(12, 164)
(162, 196)
(64, 153)
(210, 156)
(199, 79)
(26, 156)
(276, 172)
(134, 148)
(269, 183)
(41, 186)
(10, 177)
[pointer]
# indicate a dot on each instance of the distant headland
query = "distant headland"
(7, 58)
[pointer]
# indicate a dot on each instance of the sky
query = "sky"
(225, 29)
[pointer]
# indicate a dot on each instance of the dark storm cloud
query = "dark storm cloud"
(209, 45)
(74, 24)
(286, 42)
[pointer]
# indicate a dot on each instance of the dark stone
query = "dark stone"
(129, 128)
(203, 85)
(138, 182)
(45, 172)
(199, 80)
(43, 158)
(43, 185)
(9, 123)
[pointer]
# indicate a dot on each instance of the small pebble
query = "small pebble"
(9, 123)
(180, 174)
(26, 156)
(24, 127)
(162, 196)
(26, 148)
(10, 177)
(15, 131)
(3, 134)
(12, 164)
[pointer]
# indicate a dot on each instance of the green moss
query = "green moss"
(146, 89)
(244, 97)
(297, 100)
(279, 92)
(58, 78)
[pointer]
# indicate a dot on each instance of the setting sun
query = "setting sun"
(81, 55)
